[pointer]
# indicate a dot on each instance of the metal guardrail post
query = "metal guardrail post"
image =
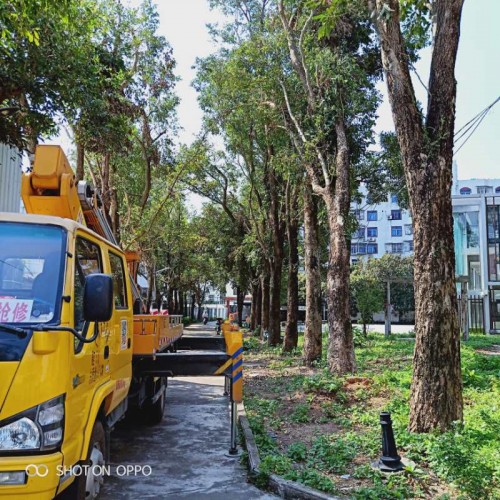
(234, 343)
(233, 450)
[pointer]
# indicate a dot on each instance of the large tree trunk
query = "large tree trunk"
(427, 152)
(176, 301)
(312, 331)
(340, 343)
(275, 301)
(256, 305)
(265, 299)
(181, 303)
(80, 160)
(277, 227)
(193, 304)
(240, 297)
(291, 332)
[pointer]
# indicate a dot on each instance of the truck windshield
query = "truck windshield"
(31, 272)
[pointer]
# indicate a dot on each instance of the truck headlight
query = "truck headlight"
(37, 429)
(22, 434)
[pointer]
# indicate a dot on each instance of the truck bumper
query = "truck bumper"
(38, 476)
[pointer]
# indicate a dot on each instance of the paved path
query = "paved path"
(186, 452)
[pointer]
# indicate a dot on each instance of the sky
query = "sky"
(183, 23)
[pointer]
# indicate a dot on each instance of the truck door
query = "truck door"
(88, 366)
(121, 327)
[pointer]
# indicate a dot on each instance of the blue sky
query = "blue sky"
(183, 23)
(478, 75)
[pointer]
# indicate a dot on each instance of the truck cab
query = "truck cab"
(66, 340)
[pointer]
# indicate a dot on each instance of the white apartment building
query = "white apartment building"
(387, 228)
(383, 228)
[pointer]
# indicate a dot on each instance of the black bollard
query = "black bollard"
(390, 461)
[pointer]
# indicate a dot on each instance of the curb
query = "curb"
(282, 487)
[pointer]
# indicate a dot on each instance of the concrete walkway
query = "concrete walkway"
(186, 452)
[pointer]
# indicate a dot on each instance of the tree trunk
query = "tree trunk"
(181, 303)
(312, 331)
(176, 301)
(255, 307)
(277, 227)
(275, 302)
(240, 297)
(266, 296)
(341, 358)
(170, 299)
(291, 332)
(427, 153)
(258, 309)
(193, 299)
(80, 161)
(151, 285)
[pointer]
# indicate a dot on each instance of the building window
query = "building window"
(493, 226)
(372, 248)
(394, 198)
(394, 247)
(359, 233)
(396, 231)
(354, 261)
(484, 190)
(465, 191)
(371, 232)
(361, 248)
(354, 249)
(408, 229)
(408, 246)
(395, 215)
(371, 215)
(358, 214)
(497, 189)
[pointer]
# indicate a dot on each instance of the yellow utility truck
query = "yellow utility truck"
(69, 338)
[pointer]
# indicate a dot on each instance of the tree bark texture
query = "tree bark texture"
(275, 302)
(265, 280)
(340, 355)
(181, 303)
(312, 262)
(427, 152)
(291, 331)
(256, 302)
(80, 160)
(276, 261)
(240, 297)
(193, 299)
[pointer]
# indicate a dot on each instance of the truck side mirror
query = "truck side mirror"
(98, 297)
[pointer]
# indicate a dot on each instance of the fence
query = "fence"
(474, 313)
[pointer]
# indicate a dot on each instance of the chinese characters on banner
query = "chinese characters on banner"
(15, 310)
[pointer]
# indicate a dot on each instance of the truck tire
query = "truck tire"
(153, 413)
(87, 486)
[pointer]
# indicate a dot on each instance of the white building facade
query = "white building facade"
(387, 228)
(382, 228)
(10, 179)
(476, 218)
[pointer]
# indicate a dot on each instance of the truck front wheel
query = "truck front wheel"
(88, 486)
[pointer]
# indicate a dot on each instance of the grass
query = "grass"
(323, 430)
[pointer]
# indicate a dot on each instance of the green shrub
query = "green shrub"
(300, 414)
(297, 451)
(323, 382)
(314, 479)
(331, 454)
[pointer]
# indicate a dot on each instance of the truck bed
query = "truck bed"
(154, 334)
